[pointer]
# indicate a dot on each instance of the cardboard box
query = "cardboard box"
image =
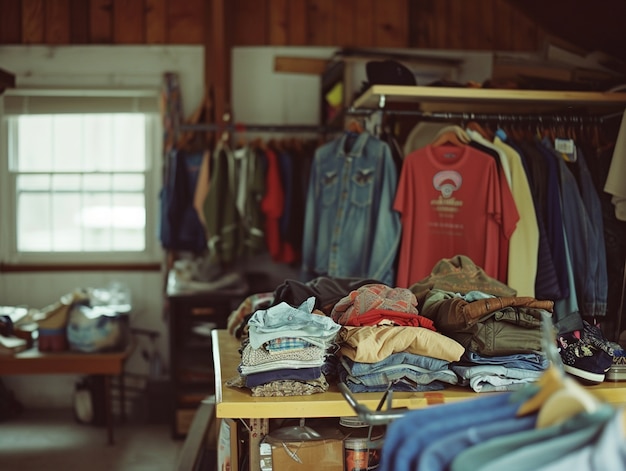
(321, 455)
(227, 453)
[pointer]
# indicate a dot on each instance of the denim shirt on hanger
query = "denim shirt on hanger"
(351, 229)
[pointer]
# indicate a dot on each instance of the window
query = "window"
(81, 173)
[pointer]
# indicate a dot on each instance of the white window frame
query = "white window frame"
(120, 71)
(8, 219)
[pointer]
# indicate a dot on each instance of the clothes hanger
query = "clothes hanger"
(354, 126)
(458, 130)
(559, 397)
(259, 143)
(448, 137)
(242, 141)
(571, 399)
(225, 138)
(485, 132)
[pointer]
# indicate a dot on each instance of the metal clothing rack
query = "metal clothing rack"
(551, 118)
(484, 104)
(242, 128)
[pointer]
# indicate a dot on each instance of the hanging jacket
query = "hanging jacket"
(596, 299)
(232, 206)
(351, 229)
(180, 228)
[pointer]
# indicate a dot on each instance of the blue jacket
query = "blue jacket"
(350, 228)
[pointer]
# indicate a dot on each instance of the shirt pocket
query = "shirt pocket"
(362, 187)
(329, 187)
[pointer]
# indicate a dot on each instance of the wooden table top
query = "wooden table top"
(238, 403)
(32, 361)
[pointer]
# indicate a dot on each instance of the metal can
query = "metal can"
(359, 451)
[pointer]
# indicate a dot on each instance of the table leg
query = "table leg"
(122, 398)
(108, 403)
(258, 429)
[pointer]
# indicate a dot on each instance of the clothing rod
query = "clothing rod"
(436, 116)
(234, 128)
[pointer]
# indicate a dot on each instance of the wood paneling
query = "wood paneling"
(79, 22)
(185, 21)
(503, 28)
(128, 22)
(218, 76)
(33, 16)
(10, 22)
(391, 21)
(588, 26)
(457, 24)
(440, 23)
(345, 23)
(320, 29)
(155, 21)
(481, 37)
(364, 24)
(297, 23)
(101, 21)
(421, 24)
(526, 35)
(278, 22)
(250, 22)
(57, 21)
(428, 24)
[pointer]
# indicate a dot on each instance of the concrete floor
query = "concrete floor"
(52, 440)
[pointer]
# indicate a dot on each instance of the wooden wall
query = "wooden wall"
(57, 22)
(446, 24)
(219, 25)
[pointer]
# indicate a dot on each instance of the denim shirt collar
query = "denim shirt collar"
(357, 146)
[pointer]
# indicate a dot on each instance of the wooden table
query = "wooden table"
(32, 361)
(235, 403)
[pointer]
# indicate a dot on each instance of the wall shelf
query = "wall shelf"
(489, 100)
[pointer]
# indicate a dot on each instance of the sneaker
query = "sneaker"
(583, 360)
(617, 371)
(592, 335)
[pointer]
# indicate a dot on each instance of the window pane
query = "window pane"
(126, 182)
(34, 182)
(81, 182)
(64, 182)
(129, 152)
(114, 222)
(97, 182)
(95, 220)
(34, 143)
(66, 232)
(99, 140)
(67, 143)
(130, 221)
(33, 222)
(75, 143)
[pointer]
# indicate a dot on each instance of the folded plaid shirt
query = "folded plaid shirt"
(282, 344)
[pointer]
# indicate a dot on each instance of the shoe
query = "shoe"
(583, 360)
(617, 371)
(592, 335)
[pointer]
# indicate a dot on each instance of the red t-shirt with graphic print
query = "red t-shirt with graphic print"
(451, 203)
